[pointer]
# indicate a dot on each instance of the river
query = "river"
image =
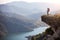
(22, 36)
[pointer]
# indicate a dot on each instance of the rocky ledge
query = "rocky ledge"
(51, 33)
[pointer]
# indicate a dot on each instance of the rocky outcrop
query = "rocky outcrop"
(51, 33)
(54, 22)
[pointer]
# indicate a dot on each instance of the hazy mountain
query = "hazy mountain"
(13, 19)
(25, 8)
(16, 23)
(3, 31)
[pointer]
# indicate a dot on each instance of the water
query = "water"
(22, 36)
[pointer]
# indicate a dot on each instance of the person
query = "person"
(48, 10)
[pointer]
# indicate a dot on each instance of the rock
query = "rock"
(54, 22)
(52, 33)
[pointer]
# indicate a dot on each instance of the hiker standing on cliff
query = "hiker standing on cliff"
(48, 10)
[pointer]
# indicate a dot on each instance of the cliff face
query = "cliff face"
(3, 31)
(54, 22)
(51, 33)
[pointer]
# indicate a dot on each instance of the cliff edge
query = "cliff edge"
(51, 33)
(54, 22)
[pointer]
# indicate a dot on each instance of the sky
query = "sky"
(47, 1)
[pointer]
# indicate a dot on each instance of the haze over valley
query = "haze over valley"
(22, 16)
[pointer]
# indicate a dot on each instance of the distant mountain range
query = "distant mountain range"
(23, 16)
(24, 8)
(16, 23)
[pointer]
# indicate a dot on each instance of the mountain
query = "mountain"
(3, 30)
(15, 23)
(19, 15)
(24, 8)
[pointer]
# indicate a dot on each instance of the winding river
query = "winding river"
(22, 36)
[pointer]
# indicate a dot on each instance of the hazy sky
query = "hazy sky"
(49, 1)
